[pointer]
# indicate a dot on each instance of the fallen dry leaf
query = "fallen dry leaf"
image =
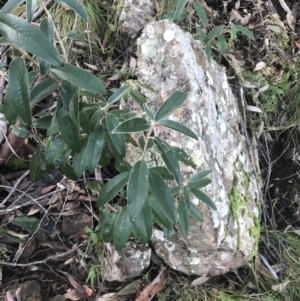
(79, 288)
(260, 66)
(88, 290)
(73, 295)
(280, 287)
(200, 281)
(154, 287)
(239, 19)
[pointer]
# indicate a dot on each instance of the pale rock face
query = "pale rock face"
(134, 15)
(169, 60)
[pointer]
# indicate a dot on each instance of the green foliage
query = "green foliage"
(86, 131)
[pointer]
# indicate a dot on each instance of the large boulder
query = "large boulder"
(169, 60)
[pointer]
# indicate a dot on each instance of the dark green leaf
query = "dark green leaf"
(167, 232)
(67, 94)
(54, 126)
(4, 235)
(34, 168)
(203, 198)
(19, 87)
(195, 213)
(202, 35)
(174, 125)
(108, 220)
(31, 6)
(208, 51)
(54, 150)
(111, 188)
(146, 86)
(105, 158)
(20, 131)
(79, 77)
(94, 147)
(159, 214)
(95, 119)
(162, 194)
(163, 172)
(233, 31)
(200, 183)
(9, 110)
(144, 224)
(171, 105)
(30, 224)
(170, 160)
(182, 156)
(201, 13)
(245, 31)
(29, 38)
(142, 143)
(32, 75)
(137, 189)
(214, 32)
(222, 44)
(132, 126)
(69, 130)
(77, 7)
(175, 190)
(179, 9)
(122, 115)
(42, 90)
(186, 197)
(68, 171)
(79, 159)
(92, 95)
(199, 175)
(85, 121)
(43, 122)
(116, 96)
(47, 27)
(123, 166)
(138, 97)
(75, 36)
(148, 111)
(115, 142)
(11, 5)
(123, 229)
(40, 158)
(183, 218)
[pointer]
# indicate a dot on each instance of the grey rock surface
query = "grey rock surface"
(169, 60)
(134, 15)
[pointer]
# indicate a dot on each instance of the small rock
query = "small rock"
(72, 224)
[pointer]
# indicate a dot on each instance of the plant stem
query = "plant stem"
(56, 31)
(147, 140)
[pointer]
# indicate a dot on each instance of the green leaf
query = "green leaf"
(40, 158)
(202, 35)
(200, 183)
(94, 147)
(233, 31)
(186, 197)
(79, 78)
(31, 6)
(245, 31)
(163, 172)
(67, 94)
(47, 27)
(195, 213)
(204, 198)
(116, 96)
(159, 214)
(77, 7)
(175, 190)
(18, 85)
(30, 224)
(112, 188)
(123, 166)
(138, 97)
(141, 142)
(68, 171)
(75, 36)
(54, 150)
(201, 13)
(122, 115)
(105, 158)
(171, 105)
(184, 157)
(133, 125)
(144, 224)
(183, 218)
(32, 75)
(9, 110)
(214, 32)
(170, 160)
(115, 142)
(42, 90)
(11, 5)
(20, 131)
(107, 220)
(148, 111)
(179, 9)
(34, 168)
(222, 44)
(123, 229)
(69, 130)
(43, 122)
(174, 125)
(162, 194)
(199, 175)
(79, 159)
(84, 121)
(137, 189)
(29, 38)
(208, 51)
